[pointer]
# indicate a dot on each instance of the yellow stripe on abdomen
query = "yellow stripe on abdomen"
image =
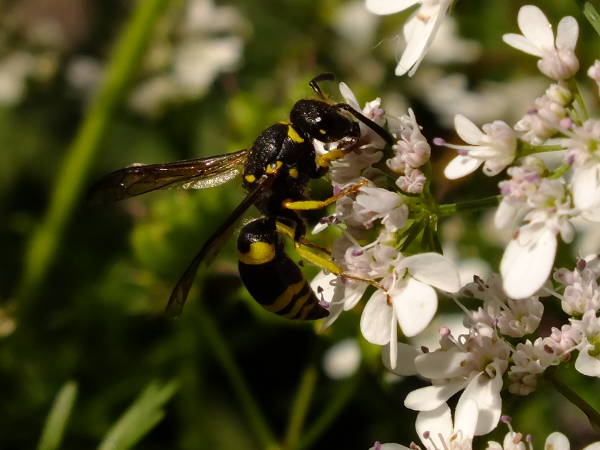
(259, 253)
(285, 297)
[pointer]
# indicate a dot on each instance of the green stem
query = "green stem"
(592, 415)
(220, 349)
(579, 107)
(71, 179)
(469, 205)
(56, 422)
(591, 14)
(526, 149)
(304, 394)
(330, 413)
(559, 171)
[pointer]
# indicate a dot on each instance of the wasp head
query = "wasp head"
(320, 120)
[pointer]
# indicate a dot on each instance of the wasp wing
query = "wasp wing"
(188, 174)
(213, 245)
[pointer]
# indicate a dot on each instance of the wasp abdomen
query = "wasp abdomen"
(271, 277)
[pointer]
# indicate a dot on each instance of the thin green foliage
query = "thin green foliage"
(79, 157)
(145, 412)
(58, 417)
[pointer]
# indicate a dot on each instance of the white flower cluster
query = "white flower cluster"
(538, 204)
(440, 432)
(389, 241)
(375, 221)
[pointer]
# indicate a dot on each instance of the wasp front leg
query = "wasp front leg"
(306, 205)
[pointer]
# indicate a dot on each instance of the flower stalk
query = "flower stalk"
(591, 413)
(449, 209)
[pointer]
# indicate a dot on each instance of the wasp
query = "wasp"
(276, 172)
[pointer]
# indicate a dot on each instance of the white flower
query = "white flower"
(411, 149)
(557, 57)
(545, 119)
(436, 430)
(515, 318)
(419, 29)
(529, 256)
(412, 182)
(475, 363)
(342, 359)
(494, 147)
(581, 291)
(409, 300)
(584, 157)
(373, 203)
(14, 71)
(588, 360)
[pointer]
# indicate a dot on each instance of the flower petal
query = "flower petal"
(557, 441)
(520, 42)
(586, 186)
(376, 319)
(535, 26)
(567, 33)
(467, 130)
(433, 269)
(485, 392)
(465, 418)
(438, 422)
(383, 7)
(415, 306)
(527, 261)
(441, 364)
(592, 446)
(349, 96)
(587, 364)
(461, 166)
(431, 397)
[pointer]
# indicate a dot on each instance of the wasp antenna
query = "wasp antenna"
(385, 135)
(314, 83)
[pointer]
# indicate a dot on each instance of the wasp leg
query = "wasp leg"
(290, 233)
(325, 262)
(305, 205)
(324, 160)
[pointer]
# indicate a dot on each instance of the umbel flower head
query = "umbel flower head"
(557, 57)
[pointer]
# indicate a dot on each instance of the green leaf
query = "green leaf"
(145, 412)
(58, 417)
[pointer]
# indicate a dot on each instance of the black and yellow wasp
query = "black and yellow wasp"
(276, 172)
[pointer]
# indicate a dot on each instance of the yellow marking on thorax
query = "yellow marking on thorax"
(322, 131)
(259, 253)
(293, 135)
(273, 167)
(250, 178)
(293, 172)
(286, 296)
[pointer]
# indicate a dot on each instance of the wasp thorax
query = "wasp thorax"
(319, 120)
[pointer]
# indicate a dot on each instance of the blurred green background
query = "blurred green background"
(83, 287)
